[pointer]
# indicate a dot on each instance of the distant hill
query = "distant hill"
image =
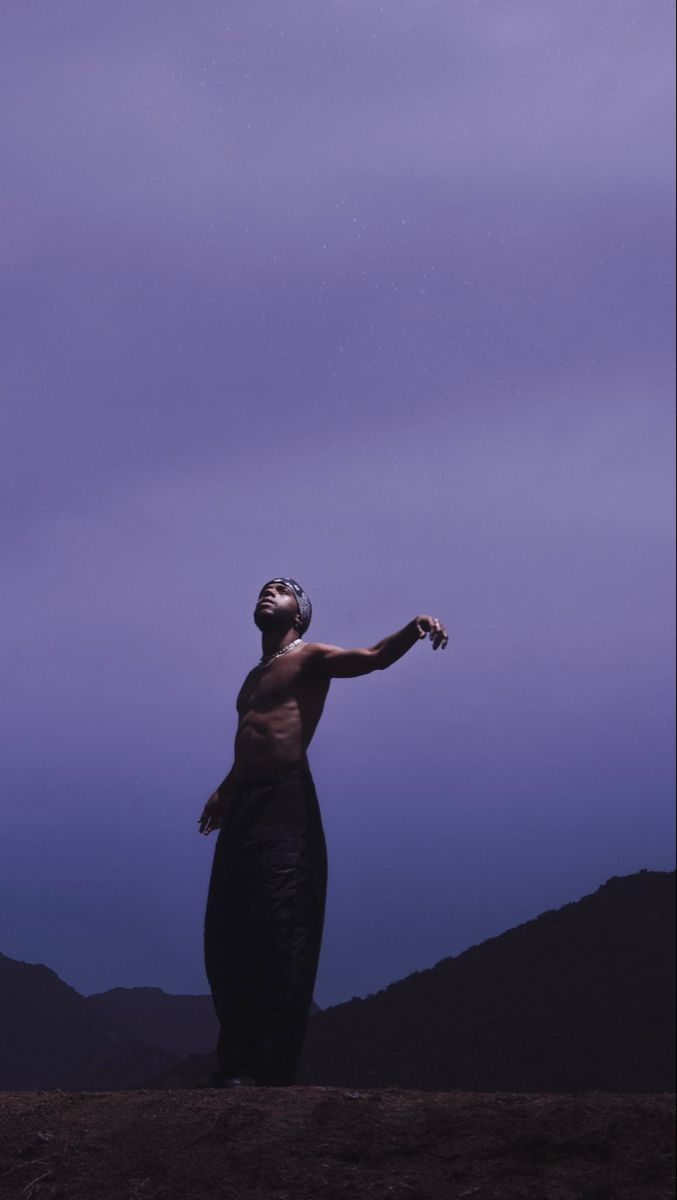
(184, 1025)
(51, 1037)
(581, 998)
(181, 1024)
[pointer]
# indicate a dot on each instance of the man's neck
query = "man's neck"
(272, 641)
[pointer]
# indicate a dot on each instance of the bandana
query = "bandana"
(303, 601)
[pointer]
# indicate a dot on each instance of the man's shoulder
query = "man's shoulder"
(317, 649)
(315, 654)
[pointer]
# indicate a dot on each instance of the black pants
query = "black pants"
(263, 925)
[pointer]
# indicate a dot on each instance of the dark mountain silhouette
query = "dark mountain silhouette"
(581, 998)
(181, 1024)
(50, 1037)
(184, 1024)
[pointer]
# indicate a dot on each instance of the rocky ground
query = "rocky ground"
(315, 1143)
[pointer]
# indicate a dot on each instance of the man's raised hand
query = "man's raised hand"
(435, 629)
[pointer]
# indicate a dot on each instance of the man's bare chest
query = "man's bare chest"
(269, 687)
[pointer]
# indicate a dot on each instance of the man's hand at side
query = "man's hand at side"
(212, 813)
(216, 807)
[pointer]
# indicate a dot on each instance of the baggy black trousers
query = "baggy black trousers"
(263, 925)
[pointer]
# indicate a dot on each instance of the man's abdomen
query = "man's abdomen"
(268, 746)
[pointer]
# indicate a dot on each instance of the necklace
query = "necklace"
(267, 659)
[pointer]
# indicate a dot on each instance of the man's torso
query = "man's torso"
(279, 706)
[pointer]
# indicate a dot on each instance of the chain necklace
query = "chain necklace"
(267, 659)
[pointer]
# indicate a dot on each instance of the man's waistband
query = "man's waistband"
(255, 784)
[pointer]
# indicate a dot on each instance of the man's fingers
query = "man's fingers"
(431, 627)
(211, 815)
(438, 635)
(206, 824)
(210, 825)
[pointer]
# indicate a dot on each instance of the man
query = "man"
(265, 908)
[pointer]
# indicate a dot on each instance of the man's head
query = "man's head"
(283, 602)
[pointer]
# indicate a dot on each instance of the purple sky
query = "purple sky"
(378, 296)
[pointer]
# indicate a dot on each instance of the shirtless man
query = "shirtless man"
(265, 909)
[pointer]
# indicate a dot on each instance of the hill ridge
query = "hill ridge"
(577, 997)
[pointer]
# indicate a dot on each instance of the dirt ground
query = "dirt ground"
(314, 1143)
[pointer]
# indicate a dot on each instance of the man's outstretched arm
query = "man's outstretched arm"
(346, 664)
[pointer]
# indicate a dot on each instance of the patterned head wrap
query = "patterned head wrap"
(303, 601)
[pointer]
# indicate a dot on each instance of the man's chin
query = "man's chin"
(266, 618)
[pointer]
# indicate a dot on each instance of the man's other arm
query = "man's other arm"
(347, 664)
(215, 808)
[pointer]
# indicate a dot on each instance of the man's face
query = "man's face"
(276, 607)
